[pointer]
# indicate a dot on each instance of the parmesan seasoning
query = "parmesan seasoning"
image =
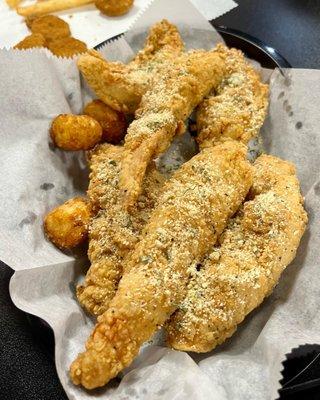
(113, 232)
(259, 242)
(193, 209)
(176, 90)
(238, 106)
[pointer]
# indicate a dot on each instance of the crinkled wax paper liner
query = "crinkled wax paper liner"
(248, 365)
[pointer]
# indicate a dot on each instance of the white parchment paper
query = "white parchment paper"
(90, 25)
(35, 177)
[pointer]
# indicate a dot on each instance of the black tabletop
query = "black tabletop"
(27, 371)
(290, 26)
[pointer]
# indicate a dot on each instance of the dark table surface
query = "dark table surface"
(27, 371)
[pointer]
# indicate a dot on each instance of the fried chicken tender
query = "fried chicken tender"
(254, 250)
(31, 41)
(75, 132)
(113, 8)
(67, 47)
(163, 41)
(163, 109)
(67, 225)
(192, 211)
(113, 231)
(113, 123)
(121, 86)
(238, 107)
(113, 82)
(50, 26)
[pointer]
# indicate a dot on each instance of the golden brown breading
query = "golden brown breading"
(122, 86)
(238, 107)
(118, 85)
(50, 26)
(67, 225)
(67, 47)
(29, 20)
(113, 231)
(163, 41)
(13, 3)
(113, 8)
(192, 211)
(179, 88)
(113, 123)
(31, 41)
(254, 250)
(75, 132)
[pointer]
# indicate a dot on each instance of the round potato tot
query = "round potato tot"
(75, 132)
(31, 41)
(50, 26)
(67, 225)
(112, 8)
(67, 47)
(113, 123)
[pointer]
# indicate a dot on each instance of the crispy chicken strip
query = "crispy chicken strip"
(122, 86)
(254, 250)
(112, 232)
(238, 107)
(163, 109)
(163, 41)
(193, 210)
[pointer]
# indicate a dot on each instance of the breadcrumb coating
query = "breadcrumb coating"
(179, 88)
(193, 210)
(112, 231)
(238, 106)
(259, 242)
(121, 86)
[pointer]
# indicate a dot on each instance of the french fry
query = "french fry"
(50, 6)
(13, 3)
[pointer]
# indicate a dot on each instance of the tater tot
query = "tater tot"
(113, 122)
(75, 132)
(50, 26)
(113, 8)
(31, 41)
(67, 225)
(67, 47)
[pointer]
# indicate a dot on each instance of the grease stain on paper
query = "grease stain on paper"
(47, 186)
(52, 147)
(28, 220)
(281, 94)
(317, 189)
